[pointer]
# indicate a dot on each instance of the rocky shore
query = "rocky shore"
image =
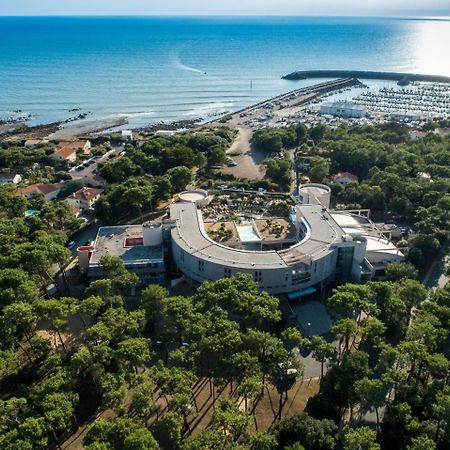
(170, 126)
(65, 129)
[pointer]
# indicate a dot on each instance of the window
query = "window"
(201, 266)
(257, 276)
(227, 272)
(301, 275)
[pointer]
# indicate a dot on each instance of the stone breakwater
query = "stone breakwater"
(400, 77)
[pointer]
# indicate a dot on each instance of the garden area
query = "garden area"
(280, 229)
(257, 206)
(222, 232)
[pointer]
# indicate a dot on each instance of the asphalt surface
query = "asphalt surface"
(89, 171)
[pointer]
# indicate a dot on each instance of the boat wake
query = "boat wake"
(177, 61)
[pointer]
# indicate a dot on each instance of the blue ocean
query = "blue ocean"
(161, 68)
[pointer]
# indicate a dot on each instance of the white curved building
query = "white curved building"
(314, 193)
(322, 252)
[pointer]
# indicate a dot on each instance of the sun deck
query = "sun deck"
(124, 242)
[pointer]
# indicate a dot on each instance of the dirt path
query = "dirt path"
(249, 161)
(242, 141)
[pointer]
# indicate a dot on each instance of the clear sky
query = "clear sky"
(227, 7)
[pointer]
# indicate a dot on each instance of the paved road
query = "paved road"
(435, 278)
(88, 234)
(89, 171)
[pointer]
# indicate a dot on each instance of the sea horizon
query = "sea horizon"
(136, 16)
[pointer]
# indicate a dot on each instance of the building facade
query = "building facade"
(324, 250)
(343, 109)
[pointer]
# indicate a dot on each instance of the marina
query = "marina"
(422, 99)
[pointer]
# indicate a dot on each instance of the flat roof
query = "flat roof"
(192, 196)
(314, 192)
(380, 245)
(189, 234)
(343, 104)
(346, 220)
(110, 241)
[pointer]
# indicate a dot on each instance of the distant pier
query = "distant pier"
(401, 77)
(303, 96)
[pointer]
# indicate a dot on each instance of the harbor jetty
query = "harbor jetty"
(402, 78)
(296, 97)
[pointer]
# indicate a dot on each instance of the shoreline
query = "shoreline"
(79, 126)
(64, 129)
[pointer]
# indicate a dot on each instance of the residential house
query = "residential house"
(10, 178)
(344, 178)
(65, 153)
(79, 146)
(84, 198)
(49, 190)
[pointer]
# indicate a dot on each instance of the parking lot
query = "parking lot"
(90, 167)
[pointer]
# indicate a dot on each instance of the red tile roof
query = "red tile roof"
(64, 152)
(348, 175)
(86, 193)
(31, 189)
(39, 189)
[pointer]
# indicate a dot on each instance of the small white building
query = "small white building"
(342, 108)
(165, 133)
(127, 135)
(10, 178)
(404, 116)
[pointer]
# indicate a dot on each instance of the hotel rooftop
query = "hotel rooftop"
(125, 242)
(320, 229)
